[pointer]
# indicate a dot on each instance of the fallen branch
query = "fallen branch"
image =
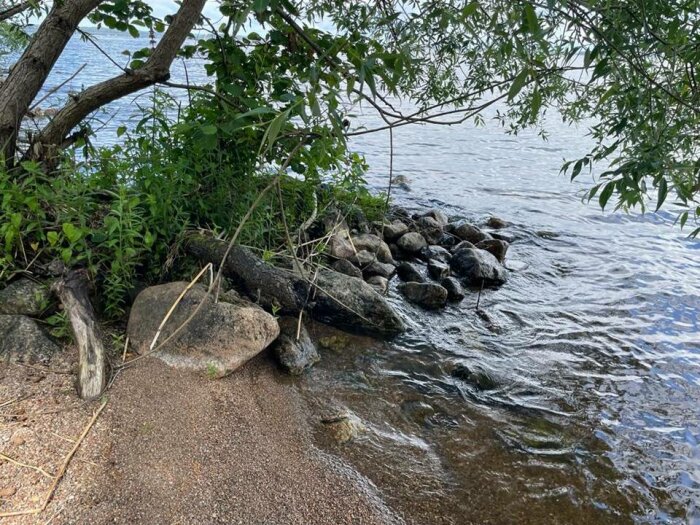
(72, 290)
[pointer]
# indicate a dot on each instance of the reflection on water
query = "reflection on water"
(582, 401)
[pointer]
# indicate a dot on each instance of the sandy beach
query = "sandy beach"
(174, 447)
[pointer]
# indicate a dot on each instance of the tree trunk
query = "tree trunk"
(72, 290)
(28, 75)
(156, 69)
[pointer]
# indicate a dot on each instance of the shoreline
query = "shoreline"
(234, 450)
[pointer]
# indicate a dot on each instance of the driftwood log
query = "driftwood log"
(330, 297)
(72, 290)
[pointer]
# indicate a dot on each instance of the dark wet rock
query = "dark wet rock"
(469, 232)
(438, 270)
(476, 266)
(430, 229)
(408, 273)
(346, 267)
(411, 243)
(496, 223)
(439, 216)
(394, 231)
(399, 213)
(344, 426)
(447, 240)
(22, 339)
(462, 244)
(495, 247)
(427, 295)
(337, 342)
(379, 283)
(450, 228)
(455, 292)
(219, 339)
(373, 244)
(381, 269)
(417, 411)
(401, 182)
(436, 253)
(477, 378)
(25, 297)
(362, 258)
(503, 236)
(453, 329)
(395, 251)
(294, 354)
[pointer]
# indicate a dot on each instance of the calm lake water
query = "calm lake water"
(593, 345)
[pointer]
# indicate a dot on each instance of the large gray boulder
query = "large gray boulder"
(475, 266)
(25, 297)
(346, 267)
(22, 339)
(354, 305)
(294, 354)
(219, 339)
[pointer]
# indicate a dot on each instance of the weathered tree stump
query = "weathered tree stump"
(72, 290)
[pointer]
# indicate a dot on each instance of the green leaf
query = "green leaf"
(133, 32)
(52, 237)
(663, 192)
(209, 129)
(606, 194)
(72, 233)
(518, 84)
(530, 16)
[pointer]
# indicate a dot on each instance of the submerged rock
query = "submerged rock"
(495, 247)
(22, 339)
(427, 295)
(25, 297)
(412, 243)
(336, 342)
(346, 267)
(408, 273)
(455, 292)
(477, 378)
(294, 355)
(476, 266)
(219, 339)
(344, 427)
(496, 223)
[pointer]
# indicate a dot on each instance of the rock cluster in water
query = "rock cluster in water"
(434, 256)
